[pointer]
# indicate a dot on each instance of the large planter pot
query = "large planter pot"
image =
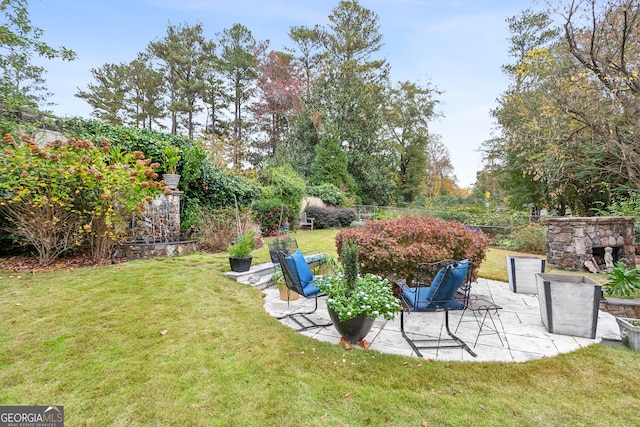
(171, 180)
(569, 304)
(240, 265)
(522, 271)
(630, 333)
(354, 330)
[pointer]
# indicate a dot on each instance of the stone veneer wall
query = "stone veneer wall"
(621, 307)
(571, 240)
(160, 249)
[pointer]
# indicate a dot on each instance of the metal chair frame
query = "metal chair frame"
(426, 273)
(293, 282)
(287, 244)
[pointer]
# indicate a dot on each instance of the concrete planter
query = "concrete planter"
(171, 180)
(569, 304)
(629, 332)
(522, 272)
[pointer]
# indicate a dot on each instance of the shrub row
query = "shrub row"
(330, 217)
(393, 247)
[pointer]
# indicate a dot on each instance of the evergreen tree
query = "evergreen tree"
(330, 163)
(237, 65)
(185, 56)
(145, 98)
(107, 96)
(349, 95)
(407, 113)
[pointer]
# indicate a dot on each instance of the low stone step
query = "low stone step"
(253, 274)
(260, 274)
(261, 282)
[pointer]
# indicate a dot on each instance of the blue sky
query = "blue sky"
(459, 46)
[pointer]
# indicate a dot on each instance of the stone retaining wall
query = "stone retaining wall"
(621, 307)
(160, 249)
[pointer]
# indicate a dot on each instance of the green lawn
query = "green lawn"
(91, 339)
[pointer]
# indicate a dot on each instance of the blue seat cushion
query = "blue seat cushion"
(443, 287)
(303, 277)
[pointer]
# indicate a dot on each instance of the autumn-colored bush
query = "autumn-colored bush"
(64, 194)
(394, 247)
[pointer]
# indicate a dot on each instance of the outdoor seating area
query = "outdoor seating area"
(504, 327)
(437, 288)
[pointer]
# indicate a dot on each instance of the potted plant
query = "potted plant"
(355, 301)
(286, 294)
(240, 252)
(170, 158)
(624, 282)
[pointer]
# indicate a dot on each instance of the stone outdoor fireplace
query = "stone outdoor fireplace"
(572, 241)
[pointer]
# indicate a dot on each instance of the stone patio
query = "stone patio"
(519, 325)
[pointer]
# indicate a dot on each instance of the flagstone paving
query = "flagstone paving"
(520, 336)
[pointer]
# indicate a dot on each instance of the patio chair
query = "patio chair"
(299, 278)
(286, 244)
(441, 286)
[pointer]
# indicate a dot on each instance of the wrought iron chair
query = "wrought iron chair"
(441, 286)
(299, 278)
(287, 244)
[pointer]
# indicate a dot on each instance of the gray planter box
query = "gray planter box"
(522, 271)
(630, 334)
(569, 304)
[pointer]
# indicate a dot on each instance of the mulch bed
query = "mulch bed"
(29, 264)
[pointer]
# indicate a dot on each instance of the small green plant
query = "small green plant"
(351, 294)
(384, 214)
(170, 158)
(243, 247)
(350, 265)
(622, 281)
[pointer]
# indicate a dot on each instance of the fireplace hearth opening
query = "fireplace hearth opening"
(599, 257)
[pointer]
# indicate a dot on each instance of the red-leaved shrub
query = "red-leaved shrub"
(394, 247)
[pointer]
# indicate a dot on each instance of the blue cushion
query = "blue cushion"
(449, 279)
(303, 277)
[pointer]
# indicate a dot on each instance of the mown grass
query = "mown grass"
(91, 340)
